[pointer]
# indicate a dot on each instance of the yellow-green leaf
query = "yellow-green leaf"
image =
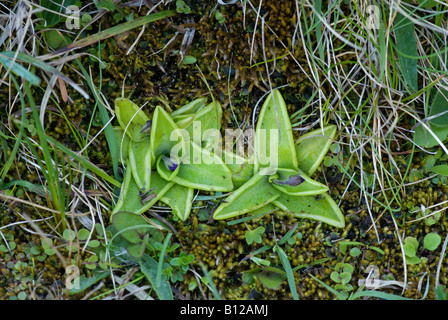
(159, 187)
(321, 208)
(274, 144)
(131, 199)
(164, 134)
(296, 182)
(204, 171)
(167, 167)
(188, 109)
(312, 147)
(123, 144)
(131, 118)
(140, 163)
(240, 167)
(254, 194)
(180, 199)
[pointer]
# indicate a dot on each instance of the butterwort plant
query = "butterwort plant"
(164, 163)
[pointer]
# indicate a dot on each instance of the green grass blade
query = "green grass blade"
(162, 256)
(108, 130)
(211, 284)
(18, 69)
(288, 235)
(7, 165)
(288, 270)
(406, 45)
(84, 162)
(46, 67)
(115, 30)
(28, 185)
(377, 294)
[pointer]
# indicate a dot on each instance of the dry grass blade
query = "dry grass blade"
(109, 33)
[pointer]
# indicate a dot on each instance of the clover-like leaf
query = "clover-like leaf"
(312, 147)
(274, 134)
(296, 182)
(320, 208)
(432, 241)
(343, 277)
(131, 118)
(344, 267)
(410, 247)
(254, 194)
(254, 235)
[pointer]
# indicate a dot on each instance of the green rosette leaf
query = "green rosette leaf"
(140, 163)
(240, 168)
(320, 208)
(312, 147)
(131, 118)
(180, 199)
(273, 136)
(165, 135)
(296, 183)
(123, 144)
(254, 194)
(203, 170)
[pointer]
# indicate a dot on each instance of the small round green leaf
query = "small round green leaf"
(189, 60)
(432, 241)
(354, 252)
(409, 250)
(83, 234)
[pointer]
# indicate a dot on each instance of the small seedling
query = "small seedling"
(254, 235)
(342, 276)
(179, 266)
(431, 241)
(410, 248)
(181, 7)
(430, 218)
(220, 17)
